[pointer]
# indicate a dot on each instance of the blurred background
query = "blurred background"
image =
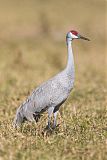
(33, 49)
(32, 40)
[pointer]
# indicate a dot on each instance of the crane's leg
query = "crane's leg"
(56, 109)
(55, 117)
(50, 111)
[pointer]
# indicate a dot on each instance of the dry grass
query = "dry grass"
(32, 49)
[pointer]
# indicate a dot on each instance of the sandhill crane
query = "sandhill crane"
(51, 94)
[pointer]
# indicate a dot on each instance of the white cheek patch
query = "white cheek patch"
(73, 36)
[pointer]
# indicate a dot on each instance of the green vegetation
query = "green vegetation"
(33, 49)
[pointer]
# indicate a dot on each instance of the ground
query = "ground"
(33, 49)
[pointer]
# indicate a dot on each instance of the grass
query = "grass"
(32, 49)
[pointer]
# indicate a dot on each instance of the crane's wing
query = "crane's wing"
(50, 93)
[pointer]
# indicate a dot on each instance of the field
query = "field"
(33, 49)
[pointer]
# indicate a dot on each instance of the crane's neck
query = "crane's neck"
(70, 62)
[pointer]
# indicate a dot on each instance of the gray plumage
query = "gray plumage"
(51, 94)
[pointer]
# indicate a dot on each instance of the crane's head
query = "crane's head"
(75, 35)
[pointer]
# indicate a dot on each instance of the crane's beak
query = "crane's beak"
(84, 38)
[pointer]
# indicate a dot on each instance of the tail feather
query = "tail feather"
(18, 120)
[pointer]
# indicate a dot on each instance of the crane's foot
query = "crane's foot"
(55, 126)
(48, 128)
